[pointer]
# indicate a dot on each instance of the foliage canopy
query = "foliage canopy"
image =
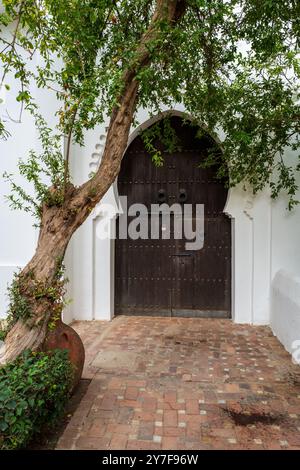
(233, 64)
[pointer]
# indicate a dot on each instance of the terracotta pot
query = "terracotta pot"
(64, 337)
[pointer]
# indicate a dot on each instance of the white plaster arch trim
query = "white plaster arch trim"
(248, 261)
(98, 152)
(109, 198)
(149, 122)
(228, 208)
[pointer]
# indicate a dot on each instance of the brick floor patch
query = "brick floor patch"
(184, 383)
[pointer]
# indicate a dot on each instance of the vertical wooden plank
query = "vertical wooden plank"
(147, 271)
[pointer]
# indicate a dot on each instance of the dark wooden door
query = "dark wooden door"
(159, 276)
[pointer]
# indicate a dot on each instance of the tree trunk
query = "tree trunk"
(59, 223)
(41, 272)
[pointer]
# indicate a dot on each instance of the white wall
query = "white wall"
(285, 308)
(265, 236)
(285, 238)
(92, 274)
(250, 255)
(18, 237)
(285, 269)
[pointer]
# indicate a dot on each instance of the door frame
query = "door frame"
(93, 259)
(132, 137)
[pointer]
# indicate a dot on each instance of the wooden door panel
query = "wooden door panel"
(161, 276)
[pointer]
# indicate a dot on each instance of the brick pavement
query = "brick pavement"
(183, 383)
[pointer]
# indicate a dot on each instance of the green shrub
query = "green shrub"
(33, 393)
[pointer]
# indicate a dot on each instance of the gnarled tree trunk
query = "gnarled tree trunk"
(59, 223)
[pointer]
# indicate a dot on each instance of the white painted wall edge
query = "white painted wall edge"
(285, 308)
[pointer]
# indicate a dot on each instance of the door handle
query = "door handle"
(182, 195)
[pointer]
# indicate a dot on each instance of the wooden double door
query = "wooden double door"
(160, 276)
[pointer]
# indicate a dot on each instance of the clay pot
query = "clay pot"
(64, 337)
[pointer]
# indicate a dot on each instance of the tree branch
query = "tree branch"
(14, 39)
(67, 156)
(91, 192)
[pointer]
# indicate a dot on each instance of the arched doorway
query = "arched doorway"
(160, 276)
